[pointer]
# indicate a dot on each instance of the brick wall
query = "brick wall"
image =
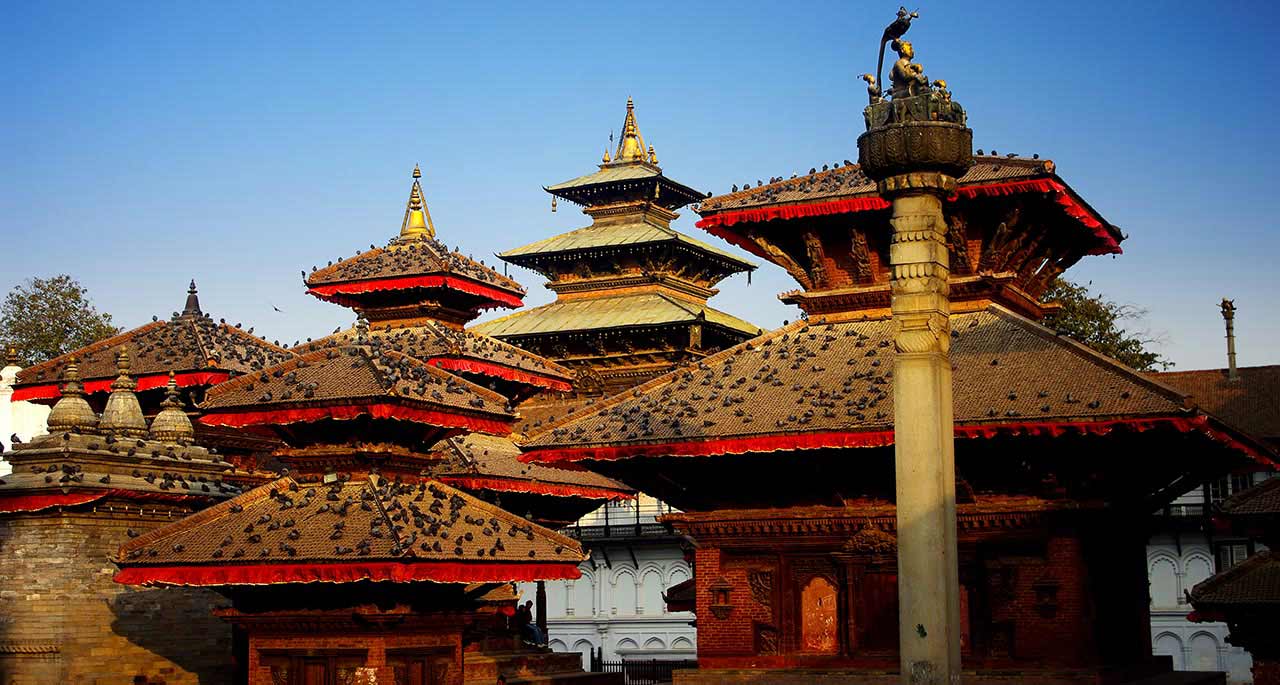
(63, 620)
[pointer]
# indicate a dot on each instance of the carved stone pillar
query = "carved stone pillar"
(915, 147)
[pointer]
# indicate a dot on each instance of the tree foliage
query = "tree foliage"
(47, 317)
(1097, 322)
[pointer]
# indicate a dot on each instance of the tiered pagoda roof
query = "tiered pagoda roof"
(477, 462)
(631, 292)
(348, 530)
(1248, 402)
(414, 276)
(485, 361)
(1013, 226)
(199, 350)
(816, 385)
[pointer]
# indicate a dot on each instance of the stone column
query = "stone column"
(540, 608)
(928, 577)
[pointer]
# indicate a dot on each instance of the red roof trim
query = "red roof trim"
(803, 441)
(31, 502)
(333, 292)
(499, 371)
(1073, 207)
(385, 410)
(156, 380)
(338, 572)
(533, 488)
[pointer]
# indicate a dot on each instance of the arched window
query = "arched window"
(1168, 644)
(584, 648)
(584, 596)
(818, 617)
(1204, 653)
(655, 643)
(1163, 574)
(682, 644)
(1198, 568)
(626, 643)
(651, 593)
(624, 595)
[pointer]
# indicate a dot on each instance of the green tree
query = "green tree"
(47, 317)
(1096, 322)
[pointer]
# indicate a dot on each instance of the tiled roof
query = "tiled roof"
(813, 377)
(1251, 403)
(409, 257)
(609, 174)
(612, 235)
(1262, 499)
(183, 343)
(616, 311)
(353, 373)
(351, 521)
(434, 340)
(498, 457)
(848, 181)
(1253, 584)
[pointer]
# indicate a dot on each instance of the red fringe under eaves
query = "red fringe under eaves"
(533, 488)
(350, 411)
(393, 571)
(1074, 208)
(328, 292)
(499, 371)
(32, 502)
(156, 380)
(803, 441)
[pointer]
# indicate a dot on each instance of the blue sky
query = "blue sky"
(144, 144)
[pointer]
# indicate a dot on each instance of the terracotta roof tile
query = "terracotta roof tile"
(433, 340)
(1254, 582)
(183, 343)
(352, 521)
(498, 457)
(409, 257)
(353, 373)
(849, 181)
(815, 377)
(1262, 499)
(1251, 403)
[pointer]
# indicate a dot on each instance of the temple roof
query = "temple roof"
(845, 188)
(1248, 402)
(1251, 584)
(413, 259)
(1262, 499)
(201, 351)
(814, 384)
(486, 462)
(333, 382)
(346, 531)
(629, 234)
(610, 311)
(632, 173)
(460, 350)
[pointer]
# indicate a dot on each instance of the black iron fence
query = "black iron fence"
(640, 671)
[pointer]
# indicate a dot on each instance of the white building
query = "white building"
(1184, 552)
(617, 604)
(24, 419)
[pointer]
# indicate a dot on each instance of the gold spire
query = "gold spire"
(417, 220)
(631, 147)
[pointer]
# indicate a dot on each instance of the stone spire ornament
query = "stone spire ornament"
(172, 424)
(417, 220)
(72, 413)
(915, 147)
(192, 307)
(123, 415)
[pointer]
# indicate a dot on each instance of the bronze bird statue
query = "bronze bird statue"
(893, 32)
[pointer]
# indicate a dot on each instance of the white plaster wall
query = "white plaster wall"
(1194, 646)
(25, 419)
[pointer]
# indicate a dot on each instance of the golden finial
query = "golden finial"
(11, 358)
(417, 220)
(631, 147)
(606, 158)
(653, 156)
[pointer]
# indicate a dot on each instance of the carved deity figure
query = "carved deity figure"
(906, 76)
(874, 94)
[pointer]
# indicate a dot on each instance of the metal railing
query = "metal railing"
(641, 671)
